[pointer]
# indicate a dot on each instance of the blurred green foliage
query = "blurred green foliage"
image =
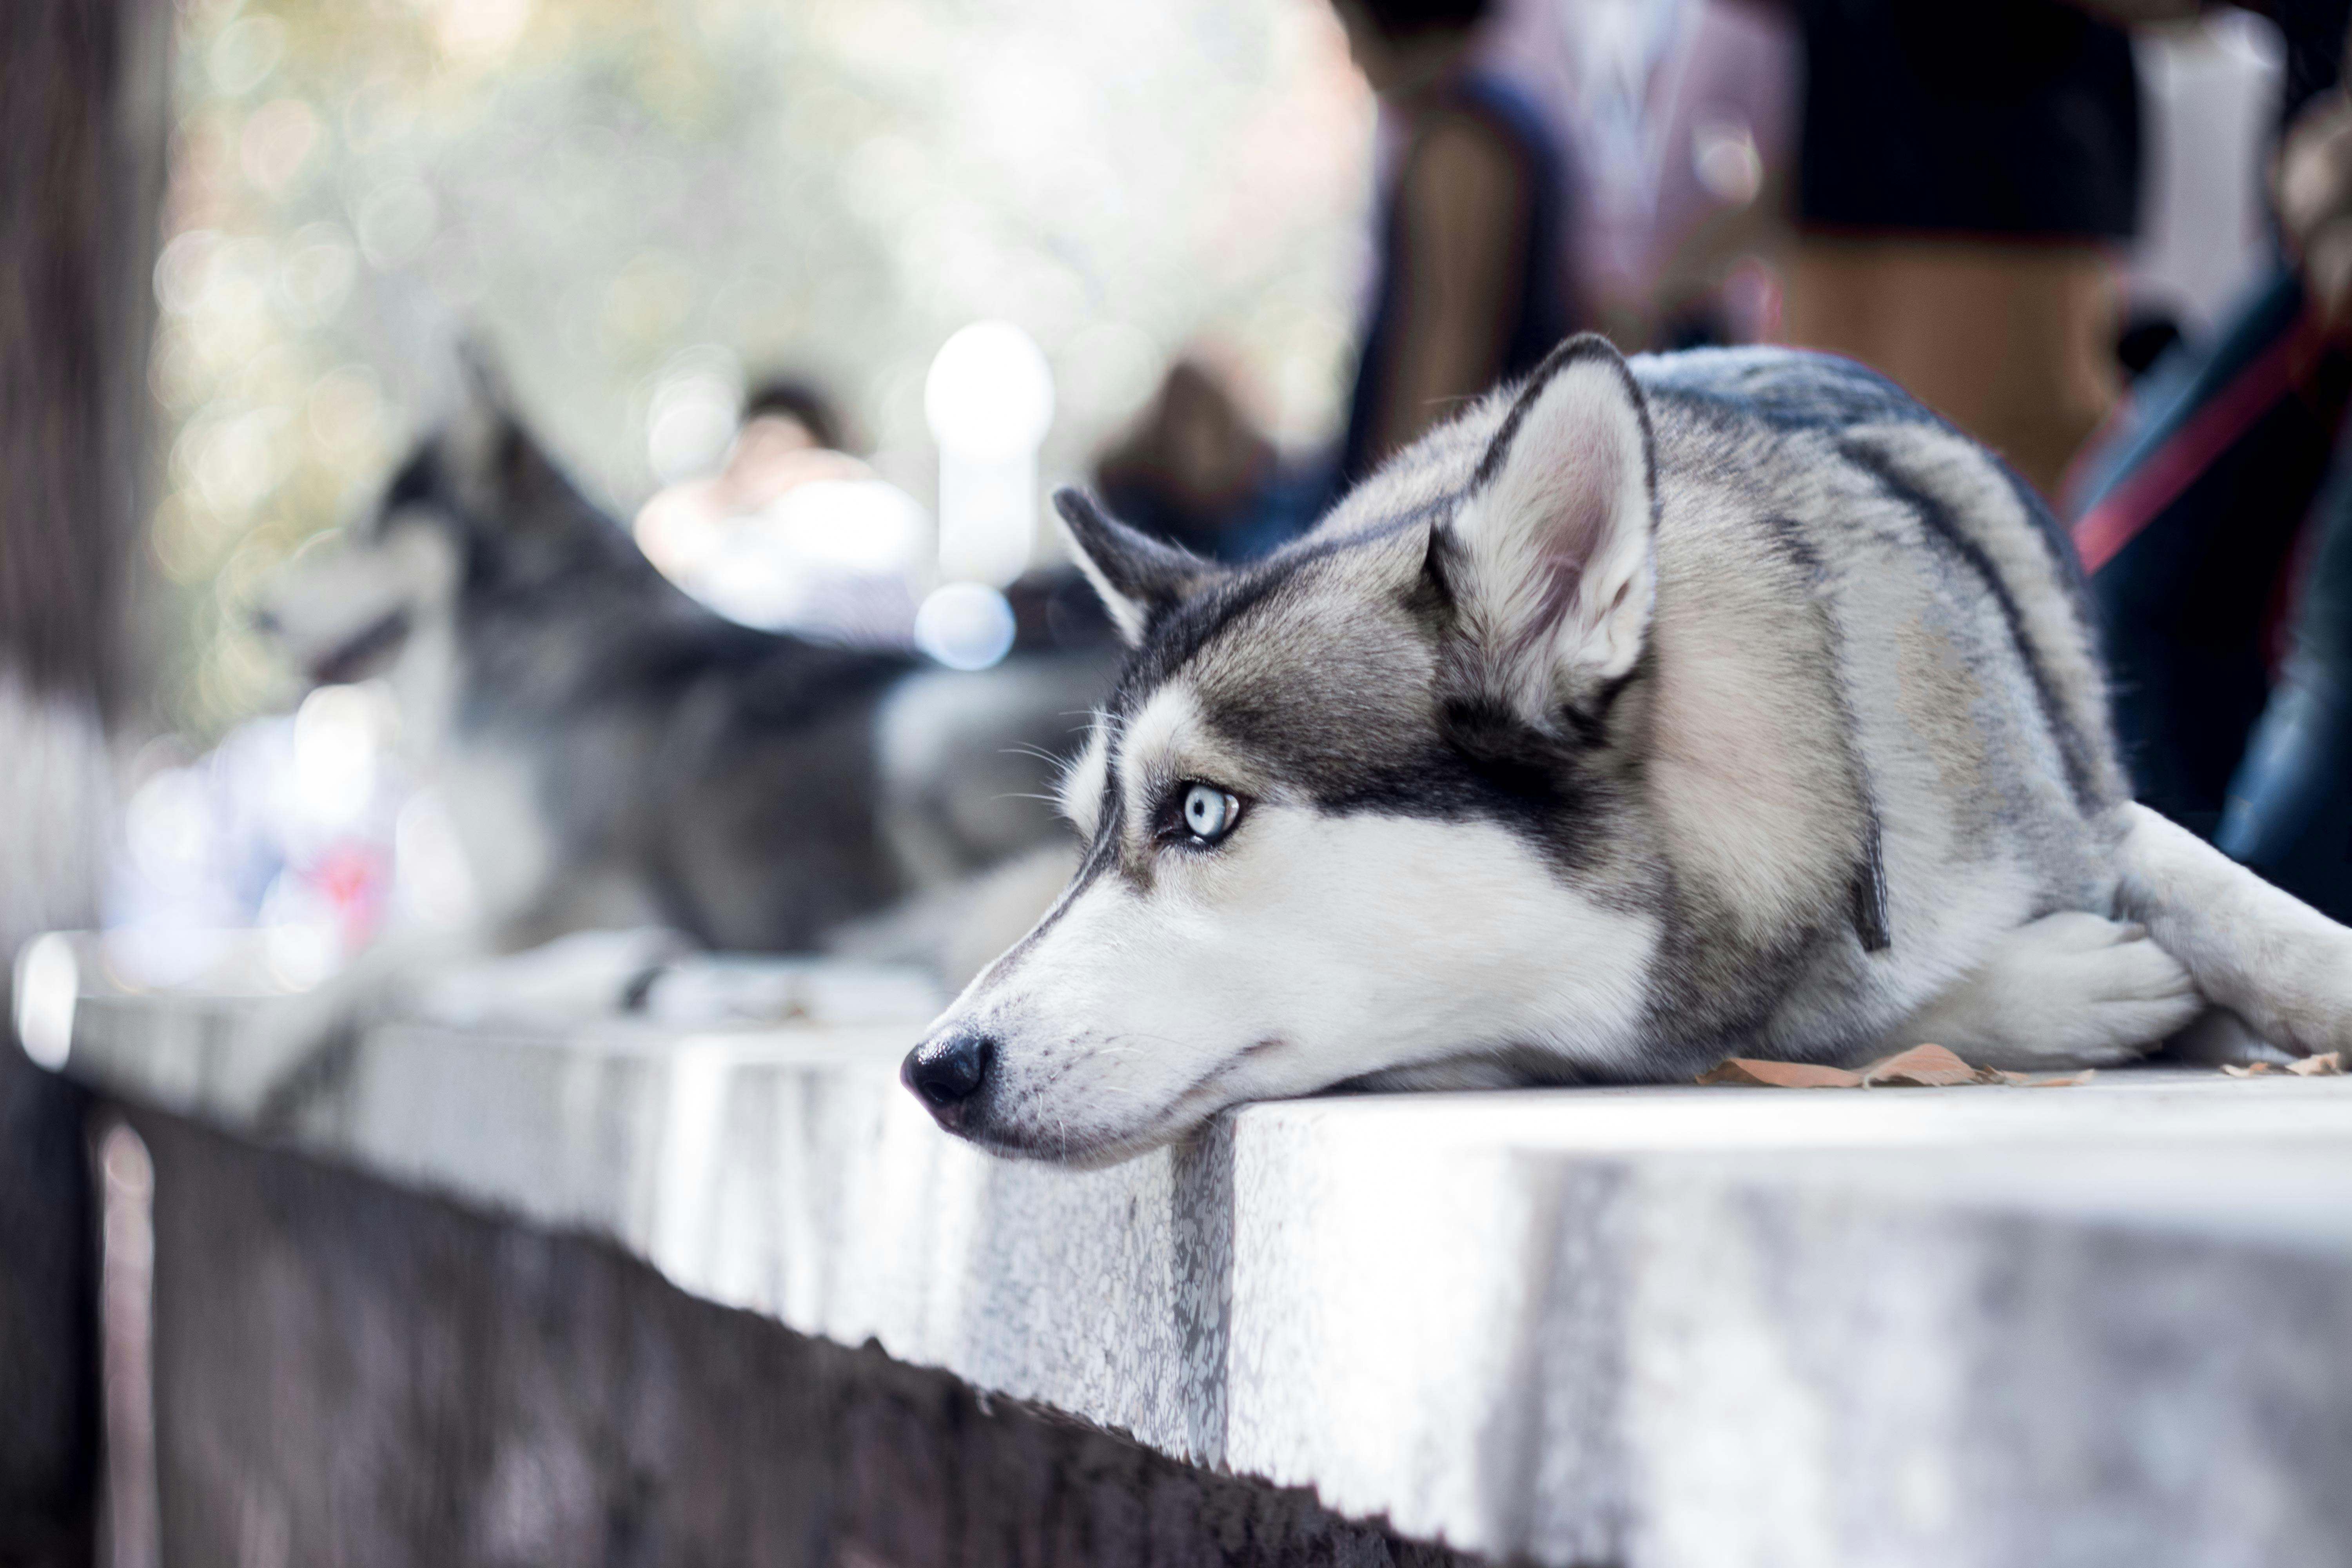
(608, 189)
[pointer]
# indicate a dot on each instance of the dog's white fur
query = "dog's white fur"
(2279, 965)
(1299, 966)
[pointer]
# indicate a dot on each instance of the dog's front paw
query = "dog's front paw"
(2069, 990)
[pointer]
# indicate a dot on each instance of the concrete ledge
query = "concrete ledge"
(1677, 1326)
(351, 1373)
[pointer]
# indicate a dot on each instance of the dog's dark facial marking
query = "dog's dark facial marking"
(1870, 916)
(419, 486)
(368, 654)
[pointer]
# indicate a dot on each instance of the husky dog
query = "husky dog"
(614, 754)
(1648, 713)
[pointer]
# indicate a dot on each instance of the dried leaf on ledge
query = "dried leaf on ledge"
(1757, 1073)
(1924, 1066)
(1921, 1067)
(2327, 1063)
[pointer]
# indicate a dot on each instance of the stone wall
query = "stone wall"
(1662, 1328)
(349, 1373)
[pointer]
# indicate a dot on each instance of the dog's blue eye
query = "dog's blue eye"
(1209, 813)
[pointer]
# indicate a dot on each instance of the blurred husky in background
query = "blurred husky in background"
(614, 755)
(1649, 713)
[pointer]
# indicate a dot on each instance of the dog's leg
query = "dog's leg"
(2273, 959)
(2069, 990)
(2220, 1039)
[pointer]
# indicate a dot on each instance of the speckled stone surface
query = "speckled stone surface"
(2105, 1324)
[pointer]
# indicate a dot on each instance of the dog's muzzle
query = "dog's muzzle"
(947, 1072)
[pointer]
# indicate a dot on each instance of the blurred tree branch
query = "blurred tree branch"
(83, 108)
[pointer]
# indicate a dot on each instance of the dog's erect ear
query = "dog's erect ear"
(480, 419)
(1139, 578)
(1549, 562)
(493, 463)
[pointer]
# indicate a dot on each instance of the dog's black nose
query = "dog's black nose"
(948, 1070)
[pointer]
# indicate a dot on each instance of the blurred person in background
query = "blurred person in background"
(788, 434)
(1198, 471)
(1470, 288)
(793, 533)
(1965, 171)
(2216, 524)
(1471, 282)
(1682, 117)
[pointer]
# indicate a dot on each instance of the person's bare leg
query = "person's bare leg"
(2013, 342)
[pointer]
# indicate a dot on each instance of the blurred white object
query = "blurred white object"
(786, 535)
(432, 882)
(280, 853)
(965, 626)
(301, 936)
(47, 984)
(694, 412)
(2212, 91)
(588, 974)
(989, 401)
(168, 830)
(1725, 157)
(338, 735)
(829, 558)
(854, 525)
(714, 988)
(651, 972)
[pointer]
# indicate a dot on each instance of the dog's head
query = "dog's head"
(1352, 811)
(478, 505)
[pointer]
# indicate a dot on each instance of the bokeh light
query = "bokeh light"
(965, 626)
(989, 400)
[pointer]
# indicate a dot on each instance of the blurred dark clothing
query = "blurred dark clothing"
(2147, 334)
(1057, 609)
(2189, 528)
(2016, 118)
(2289, 814)
(1543, 312)
(2314, 32)
(1197, 472)
(1965, 167)
(1287, 500)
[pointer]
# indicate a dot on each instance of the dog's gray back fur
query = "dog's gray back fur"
(1889, 621)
